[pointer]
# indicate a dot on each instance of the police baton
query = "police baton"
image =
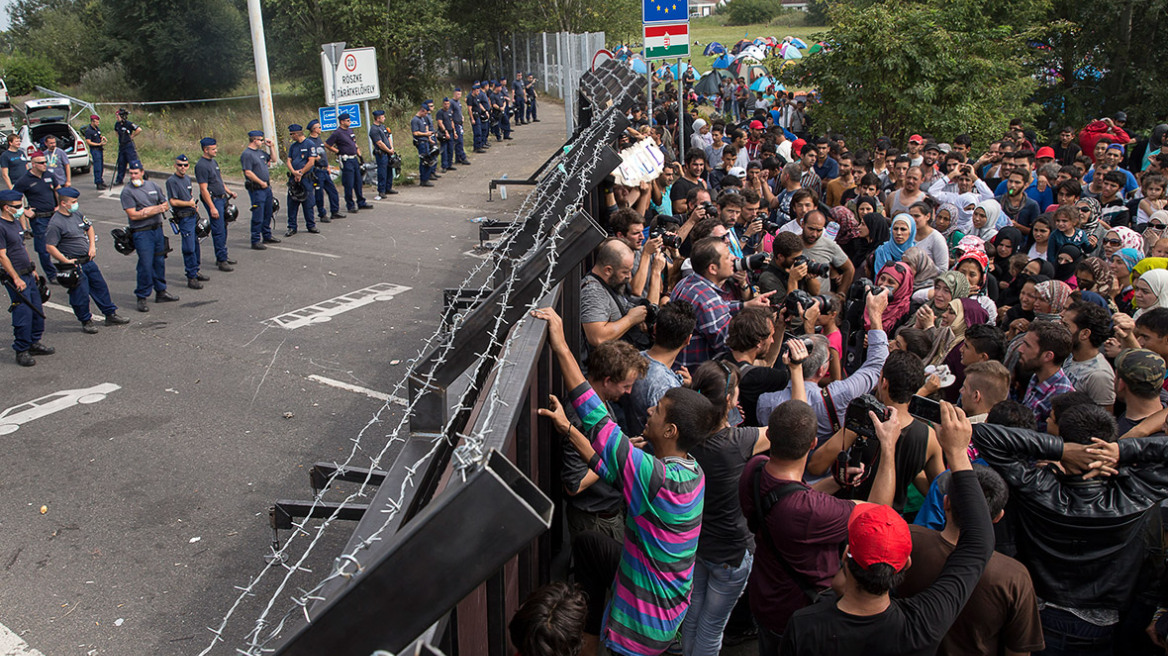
(21, 299)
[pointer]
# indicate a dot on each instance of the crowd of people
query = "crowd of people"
(41, 200)
(869, 400)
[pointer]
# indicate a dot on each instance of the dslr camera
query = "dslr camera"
(710, 209)
(856, 418)
(668, 239)
(755, 262)
(817, 269)
(650, 311)
(798, 301)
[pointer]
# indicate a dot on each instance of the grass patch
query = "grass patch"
(714, 28)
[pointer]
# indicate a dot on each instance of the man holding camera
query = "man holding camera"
(605, 313)
(833, 400)
(713, 265)
(822, 249)
(787, 270)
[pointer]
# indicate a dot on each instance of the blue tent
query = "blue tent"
(673, 69)
(723, 62)
(638, 64)
(761, 84)
(798, 43)
(714, 48)
(792, 53)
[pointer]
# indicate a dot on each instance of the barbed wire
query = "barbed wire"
(547, 195)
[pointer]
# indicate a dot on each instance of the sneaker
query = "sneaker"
(378, 197)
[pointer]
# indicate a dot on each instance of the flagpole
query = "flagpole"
(681, 110)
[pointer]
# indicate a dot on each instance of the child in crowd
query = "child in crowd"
(1066, 233)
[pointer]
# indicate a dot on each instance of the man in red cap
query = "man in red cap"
(859, 616)
(754, 140)
(916, 147)
(1045, 155)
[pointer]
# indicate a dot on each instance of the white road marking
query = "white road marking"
(326, 310)
(304, 252)
(373, 394)
(58, 306)
(12, 418)
(12, 645)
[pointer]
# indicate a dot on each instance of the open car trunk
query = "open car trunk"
(37, 133)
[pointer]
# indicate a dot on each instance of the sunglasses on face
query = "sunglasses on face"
(1113, 242)
(182, 166)
(41, 162)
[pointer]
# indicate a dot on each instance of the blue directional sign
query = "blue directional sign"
(664, 11)
(328, 116)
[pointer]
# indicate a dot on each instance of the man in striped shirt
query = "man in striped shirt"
(652, 572)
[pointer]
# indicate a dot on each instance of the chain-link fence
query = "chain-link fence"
(556, 59)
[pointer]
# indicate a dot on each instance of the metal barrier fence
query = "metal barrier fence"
(456, 533)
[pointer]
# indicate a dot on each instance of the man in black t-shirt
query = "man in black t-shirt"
(859, 617)
(752, 337)
(691, 176)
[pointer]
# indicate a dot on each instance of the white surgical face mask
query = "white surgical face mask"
(74, 206)
(136, 183)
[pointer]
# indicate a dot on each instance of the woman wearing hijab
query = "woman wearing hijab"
(922, 265)
(1151, 291)
(873, 232)
(1068, 260)
(1121, 237)
(903, 237)
(701, 139)
(1053, 297)
(1090, 213)
(1157, 226)
(849, 227)
(1024, 310)
(1123, 263)
(947, 341)
(985, 220)
(1005, 244)
(861, 205)
(945, 221)
(897, 278)
(949, 286)
(974, 265)
(1094, 276)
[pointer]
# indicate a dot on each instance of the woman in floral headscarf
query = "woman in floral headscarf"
(945, 221)
(1121, 237)
(1094, 275)
(849, 227)
(948, 286)
(1122, 265)
(1090, 214)
(973, 264)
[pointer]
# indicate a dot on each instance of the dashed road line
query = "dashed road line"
(373, 394)
(12, 645)
(326, 310)
(57, 306)
(303, 252)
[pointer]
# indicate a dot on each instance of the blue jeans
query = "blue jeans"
(39, 228)
(447, 156)
(384, 174)
(150, 247)
(1067, 635)
(125, 156)
(351, 179)
(219, 228)
(191, 253)
(294, 207)
(716, 588)
(27, 326)
(261, 214)
(324, 185)
(98, 155)
(92, 284)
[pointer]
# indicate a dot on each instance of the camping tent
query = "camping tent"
(714, 48)
(722, 62)
(709, 84)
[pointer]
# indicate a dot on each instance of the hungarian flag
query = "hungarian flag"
(664, 41)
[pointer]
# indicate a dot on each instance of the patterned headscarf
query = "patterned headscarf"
(1104, 277)
(1130, 257)
(849, 227)
(923, 266)
(1055, 292)
(1128, 238)
(956, 283)
(953, 217)
(1096, 213)
(901, 298)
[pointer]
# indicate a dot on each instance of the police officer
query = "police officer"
(444, 122)
(505, 108)
(214, 194)
(529, 88)
(382, 139)
(19, 279)
(423, 131)
(301, 162)
(73, 244)
(127, 153)
(254, 161)
(520, 96)
(96, 143)
(496, 110)
(343, 142)
(38, 186)
(144, 203)
(184, 209)
(324, 181)
(456, 112)
(480, 120)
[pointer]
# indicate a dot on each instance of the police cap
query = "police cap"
(344, 117)
(136, 165)
(476, 85)
(11, 196)
(255, 134)
(313, 123)
(294, 128)
(207, 141)
(69, 192)
(379, 112)
(181, 158)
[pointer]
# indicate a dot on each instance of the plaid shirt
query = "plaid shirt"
(813, 183)
(1039, 395)
(713, 319)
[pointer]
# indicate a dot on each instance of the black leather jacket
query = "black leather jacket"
(1083, 541)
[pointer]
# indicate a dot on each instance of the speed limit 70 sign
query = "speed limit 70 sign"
(356, 76)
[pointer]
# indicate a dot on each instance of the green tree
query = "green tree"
(69, 34)
(898, 67)
(750, 12)
(22, 73)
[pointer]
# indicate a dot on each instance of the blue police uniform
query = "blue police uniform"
(345, 141)
(149, 242)
(456, 114)
(27, 325)
(70, 234)
(324, 181)
(42, 199)
(520, 98)
(256, 160)
(93, 133)
(207, 172)
(423, 143)
(178, 187)
(505, 113)
(529, 89)
(379, 134)
(300, 155)
(480, 117)
(496, 111)
(127, 152)
(445, 123)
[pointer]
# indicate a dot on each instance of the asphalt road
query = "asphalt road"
(127, 520)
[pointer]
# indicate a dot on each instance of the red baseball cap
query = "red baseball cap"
(1045, 151)
(916, 138)
(756, 125)
(877, 534)
(797, 146)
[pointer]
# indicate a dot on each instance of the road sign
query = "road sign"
(667, 41)
(664, 11)
(600, 57)
(356, 76)
(328, 116)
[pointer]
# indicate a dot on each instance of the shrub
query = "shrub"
(23, 73)
(749, 12)
(110, 81)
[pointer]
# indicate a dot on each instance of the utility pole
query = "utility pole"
(263, 82)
